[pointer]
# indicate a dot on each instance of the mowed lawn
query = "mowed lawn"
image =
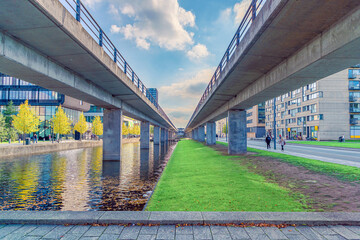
(346, 144)
(198, 178)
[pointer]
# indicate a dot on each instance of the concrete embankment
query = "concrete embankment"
(20, 150)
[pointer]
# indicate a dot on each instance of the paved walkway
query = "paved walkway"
(172, 232)
(349, 157)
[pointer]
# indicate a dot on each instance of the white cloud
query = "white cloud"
(90, 3)
(158, 22)
(187, 92)
(198, 51)
(113, 10)
(240, 10)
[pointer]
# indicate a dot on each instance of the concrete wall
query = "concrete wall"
(334, 106)
(20, 150)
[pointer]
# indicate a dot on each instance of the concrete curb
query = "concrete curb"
(164, 218)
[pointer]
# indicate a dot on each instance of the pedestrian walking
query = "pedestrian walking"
(268, 141)
(35, 138)
(282, 143)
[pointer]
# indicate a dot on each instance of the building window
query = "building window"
(354, 85)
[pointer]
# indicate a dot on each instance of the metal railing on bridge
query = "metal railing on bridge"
(82, 15)
(245, 23)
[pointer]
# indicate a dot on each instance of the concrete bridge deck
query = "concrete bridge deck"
(289, 44)
(43, 43)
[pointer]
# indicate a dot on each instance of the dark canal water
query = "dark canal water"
(78, 180)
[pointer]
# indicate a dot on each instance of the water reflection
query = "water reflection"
(79, 180)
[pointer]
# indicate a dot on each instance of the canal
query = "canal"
(78, 180)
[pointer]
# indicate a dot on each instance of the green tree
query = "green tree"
(224, 130)
(9, 112)
(97, 127)
(81, 125)
(60, 123)
(125, 130)
(3, 132)
(151, 129)
(26, 120)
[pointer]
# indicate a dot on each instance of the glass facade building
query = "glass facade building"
(43, 101)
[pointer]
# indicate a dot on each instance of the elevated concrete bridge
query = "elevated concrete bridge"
(42, 42)
(280, 46)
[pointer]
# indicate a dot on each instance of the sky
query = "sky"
(172, 45)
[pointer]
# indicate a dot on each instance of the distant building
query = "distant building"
(324, 110)
(44, 101)
(255, 121)
(154, 94)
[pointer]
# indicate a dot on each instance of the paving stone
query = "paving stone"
(334, 237)
(114, 229)
(2, 225)
(124, 217)
(202, 232)
(309, 233)
(343, 231)
(221, 237)
(323, 230)
(71, 236)
(146, 237)
(231, 217)
(41, 230)
(238, 233)
(166, 232)
(342, 217)
(30, 238)
(89, 238)
(131, 232)
(355, 229)
(274, 233)
(94, 231)
(289, 231)
(176, 217)
(185, 230)
(57, 232)
(184, 237)
(79, 229)
(256, 233)
(219, 230)
(9, 229)
(296, 237)
(146, 230)
(22, 231)
(109, 236)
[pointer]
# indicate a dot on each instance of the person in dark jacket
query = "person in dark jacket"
(268, 141)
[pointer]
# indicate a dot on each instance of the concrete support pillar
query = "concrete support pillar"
(112, 134)
(162, 131)
(195, 134)
(166, 135)
(237, 132)
(210, 133)
(192, 134)
(201, 134)
(156, 135)
(145, 135)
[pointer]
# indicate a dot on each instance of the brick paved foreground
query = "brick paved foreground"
(18, 231)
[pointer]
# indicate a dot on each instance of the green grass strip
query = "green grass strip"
(198, 178)
(342, 172)
(347, 144)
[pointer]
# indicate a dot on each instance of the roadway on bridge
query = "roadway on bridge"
(350, 157)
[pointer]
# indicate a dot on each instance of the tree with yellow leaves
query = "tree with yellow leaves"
(81, 125)
(26, 120)
(97, 127)
(136, 130)
(125, 130)
(60, 123)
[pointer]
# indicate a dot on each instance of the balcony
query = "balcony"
(354, 110)
(353, 99)
(354, 121)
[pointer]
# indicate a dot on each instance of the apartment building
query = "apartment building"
(255, 121)
(324, 110)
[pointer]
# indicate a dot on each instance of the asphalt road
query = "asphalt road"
(350, 157)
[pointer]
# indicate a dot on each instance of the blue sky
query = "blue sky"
(173, 45)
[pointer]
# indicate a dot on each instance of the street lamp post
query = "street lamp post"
(274, 123)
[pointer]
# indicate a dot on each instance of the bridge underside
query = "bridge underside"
(290, 44)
